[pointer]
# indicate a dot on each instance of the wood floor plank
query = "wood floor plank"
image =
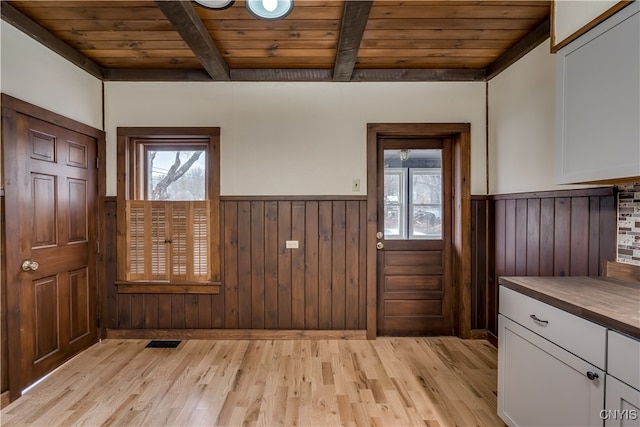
(387, 382)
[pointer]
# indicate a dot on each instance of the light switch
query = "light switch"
(355, 185)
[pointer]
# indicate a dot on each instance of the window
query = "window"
(171, 170)
(413, 195)
(169, 192)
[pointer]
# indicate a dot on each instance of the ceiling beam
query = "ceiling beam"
(531, 41)
(155, 75)
(354, 21)
(34, 30)
(280, 74)
(297, 75)
(188, 24)
(419, 75)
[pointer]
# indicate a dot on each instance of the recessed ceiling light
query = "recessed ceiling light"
(215, 4)
(269, 9)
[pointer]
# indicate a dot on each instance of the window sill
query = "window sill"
(211, 288)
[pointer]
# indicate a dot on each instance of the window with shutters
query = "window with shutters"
(168, 190)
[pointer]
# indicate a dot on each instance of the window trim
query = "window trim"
(128, 138)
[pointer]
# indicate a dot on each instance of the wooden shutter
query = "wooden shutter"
(157, 261)
(135, 241)
(190, 247)
(168, 241)
(201, 241)
(179, 234)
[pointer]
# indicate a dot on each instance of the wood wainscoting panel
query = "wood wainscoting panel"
(479, 261)
(320, 285)
(4, 348)
(559, 233)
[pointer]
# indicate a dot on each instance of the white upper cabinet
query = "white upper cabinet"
(598, 102)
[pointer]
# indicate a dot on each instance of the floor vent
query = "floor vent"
(163, 344)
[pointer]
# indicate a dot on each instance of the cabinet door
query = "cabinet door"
(623, 404)
(598, 102)
(541, 384)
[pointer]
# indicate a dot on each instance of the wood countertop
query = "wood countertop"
(609, 302)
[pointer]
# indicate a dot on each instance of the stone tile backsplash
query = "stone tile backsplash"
(629, 223)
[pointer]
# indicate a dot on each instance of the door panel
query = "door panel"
(414, 240)
(43, 146)
(408, 308)
(43, 210)
(79, 298)
(409, 283)
(54, 223)
(78, 225)
(45, 298)
(77, 156)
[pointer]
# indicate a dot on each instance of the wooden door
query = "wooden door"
(51, 233)
(415, 292)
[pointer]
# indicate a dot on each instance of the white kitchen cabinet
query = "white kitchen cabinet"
(622, 407)
(542, 384)
(551, 364)
(623, 358)
(598, 102)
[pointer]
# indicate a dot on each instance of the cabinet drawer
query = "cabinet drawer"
(581, 337)
(623, 359)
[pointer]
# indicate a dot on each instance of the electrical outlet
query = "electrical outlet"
(291, 244)
(355, 185)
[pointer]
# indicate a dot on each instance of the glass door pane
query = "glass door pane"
(395, 203)
(426, 203)
(413, 194)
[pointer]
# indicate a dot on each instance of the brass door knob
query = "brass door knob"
(380, 245)
(379, 235)
(30, 265)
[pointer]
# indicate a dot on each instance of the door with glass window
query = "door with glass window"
(414, 237)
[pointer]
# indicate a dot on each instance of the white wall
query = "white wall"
(294, 138)
(572, 15)
(522, 126)
(35, 74)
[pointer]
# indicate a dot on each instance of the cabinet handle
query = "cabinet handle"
(592, 375)
(534, 317)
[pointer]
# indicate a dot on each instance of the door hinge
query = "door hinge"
(98, 246)
(97, 162)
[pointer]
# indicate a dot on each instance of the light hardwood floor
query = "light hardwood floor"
(385, 382)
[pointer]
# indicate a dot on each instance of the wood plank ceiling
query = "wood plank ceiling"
(321, 40)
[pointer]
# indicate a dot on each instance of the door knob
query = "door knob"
(379, 235)
(379, 245)
(30, 265)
